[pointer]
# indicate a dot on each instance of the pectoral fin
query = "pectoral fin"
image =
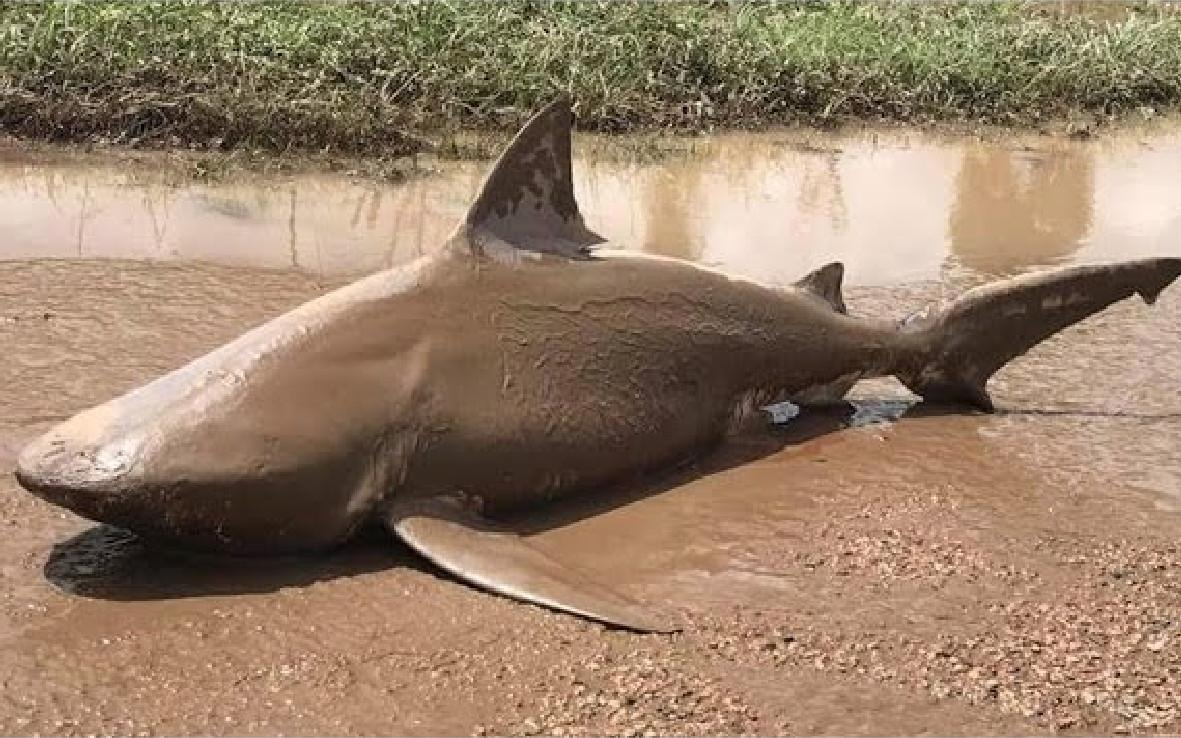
(457, 539)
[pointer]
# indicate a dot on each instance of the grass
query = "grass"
(379, 77)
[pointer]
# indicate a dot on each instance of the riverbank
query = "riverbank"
(385, 79)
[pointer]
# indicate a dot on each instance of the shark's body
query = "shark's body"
(504, 371)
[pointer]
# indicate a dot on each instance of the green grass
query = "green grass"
(369, 77)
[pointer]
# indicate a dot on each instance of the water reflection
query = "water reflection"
(895, 207)
(1014, 210)
(326, 225)
(821, 190)
(674, 193)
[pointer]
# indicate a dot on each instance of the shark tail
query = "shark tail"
(962, 344)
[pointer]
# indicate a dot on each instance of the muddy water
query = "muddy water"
(895, 208)
(883, 524)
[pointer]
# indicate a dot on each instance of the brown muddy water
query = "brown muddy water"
(894, 208)
(885, 569)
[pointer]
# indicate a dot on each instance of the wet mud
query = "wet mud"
(877, 569)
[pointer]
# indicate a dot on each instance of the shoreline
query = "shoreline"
(181, 164)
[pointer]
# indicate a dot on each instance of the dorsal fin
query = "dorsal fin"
(527, 202)
(825, 283)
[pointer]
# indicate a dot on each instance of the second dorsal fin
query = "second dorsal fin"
(825, 283)
(527, 202)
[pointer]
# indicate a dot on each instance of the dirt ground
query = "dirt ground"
(886, 572)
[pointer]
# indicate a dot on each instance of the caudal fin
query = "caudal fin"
(966, 342)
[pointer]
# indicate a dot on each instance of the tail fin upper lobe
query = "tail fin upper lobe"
(966, 342)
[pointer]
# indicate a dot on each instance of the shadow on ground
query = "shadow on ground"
(105, 562)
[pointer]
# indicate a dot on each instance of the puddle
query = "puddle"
(894, 207)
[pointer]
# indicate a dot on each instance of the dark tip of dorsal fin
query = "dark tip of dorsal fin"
(825, 283)
(527, 201)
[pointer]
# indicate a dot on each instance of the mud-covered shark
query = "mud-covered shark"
(512, 367)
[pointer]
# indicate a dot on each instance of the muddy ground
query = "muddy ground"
(886, 570)
(1018, 573)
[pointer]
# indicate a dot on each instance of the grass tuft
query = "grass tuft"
(364, 77)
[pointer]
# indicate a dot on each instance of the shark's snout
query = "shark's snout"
(72, 468)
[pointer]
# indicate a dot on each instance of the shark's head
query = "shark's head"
(206, 459)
